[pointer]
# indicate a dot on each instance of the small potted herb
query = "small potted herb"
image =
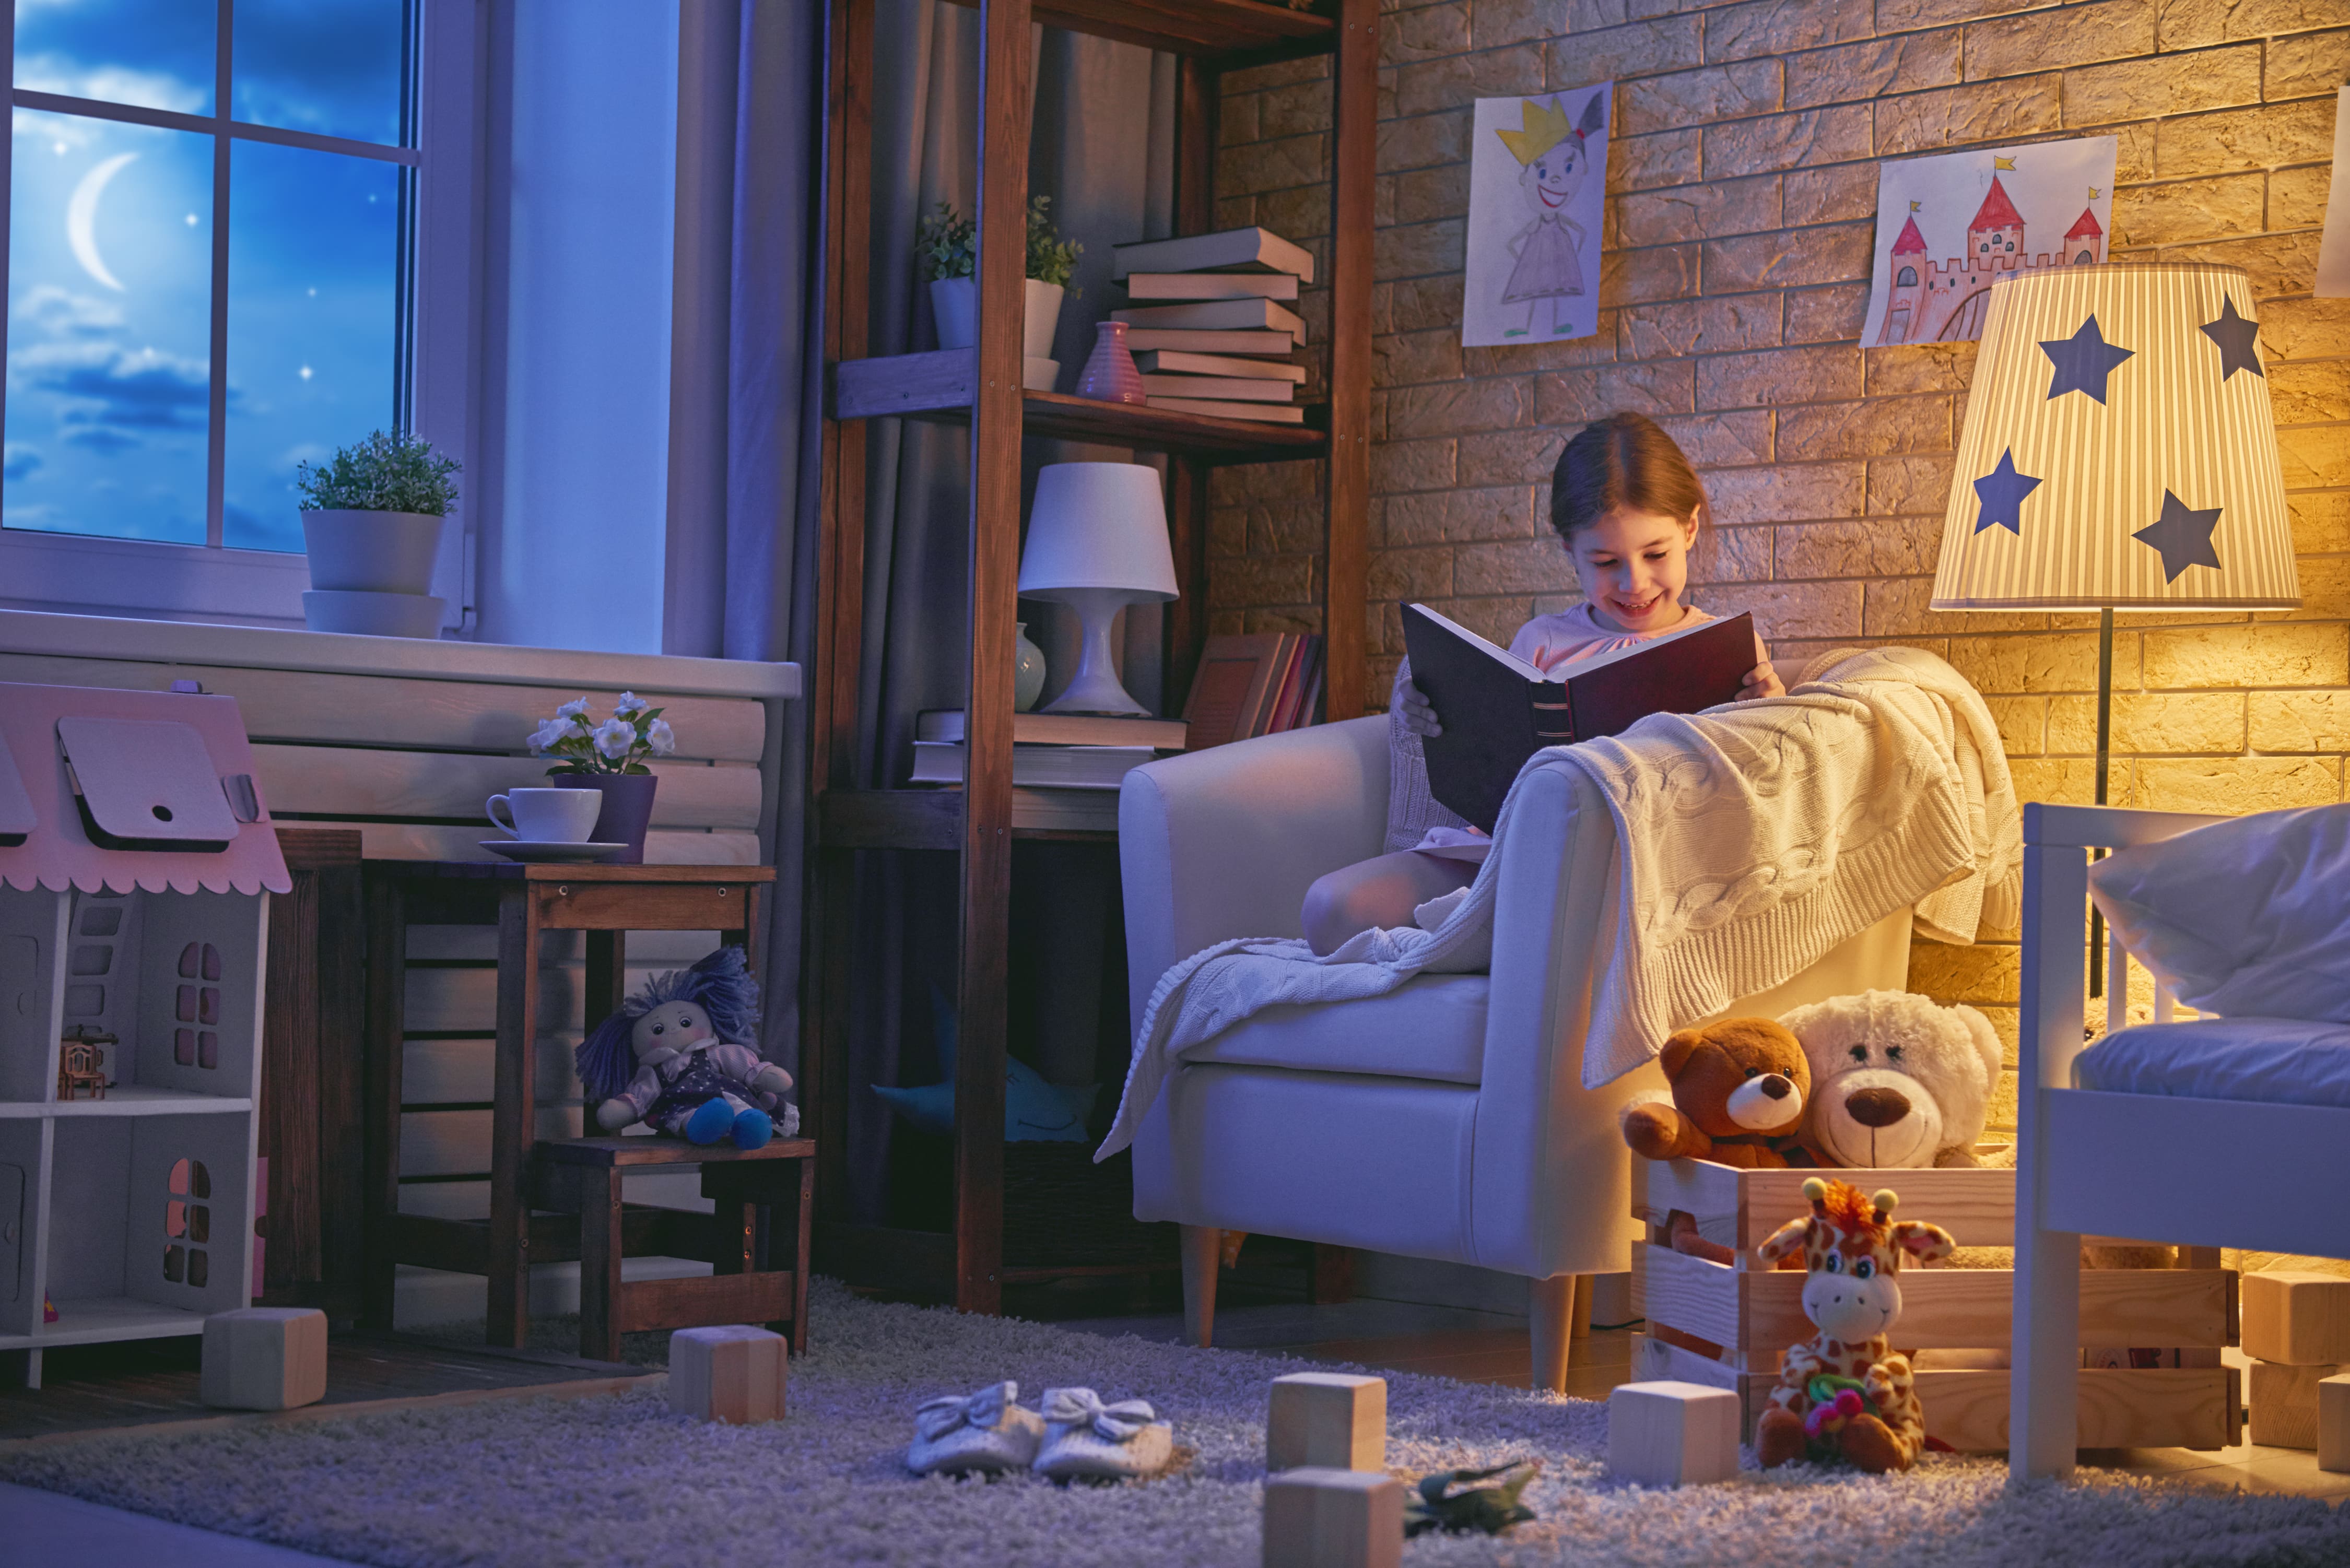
(948, 244)
(610, 756)
(373, 516)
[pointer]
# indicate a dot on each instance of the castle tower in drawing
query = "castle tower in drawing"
(1943, 302)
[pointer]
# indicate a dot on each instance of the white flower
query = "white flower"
(629, 706)
(661, 737)
(549, 734)
(575, 708)
(616, 738)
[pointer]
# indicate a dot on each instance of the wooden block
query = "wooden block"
(265, 1358)
(732, 1373)
(2297, 1318)
(1326, 1419)
(2334, 1423)
(1321, 1518)
(1672, 1434)
(2284, 1404)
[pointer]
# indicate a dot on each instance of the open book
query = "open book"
(1497, 710)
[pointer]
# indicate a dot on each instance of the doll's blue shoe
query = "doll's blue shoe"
(709, 1123)
(753, 1130)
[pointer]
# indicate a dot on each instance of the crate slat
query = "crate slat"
(2197, 1407)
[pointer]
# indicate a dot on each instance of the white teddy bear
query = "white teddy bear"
(1897, 1080)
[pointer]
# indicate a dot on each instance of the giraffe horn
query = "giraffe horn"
(1883, 1200)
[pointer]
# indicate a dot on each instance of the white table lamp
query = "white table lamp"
(1097, 541)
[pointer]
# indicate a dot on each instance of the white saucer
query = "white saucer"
(531, 849)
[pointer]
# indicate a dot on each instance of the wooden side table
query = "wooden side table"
(522, 902)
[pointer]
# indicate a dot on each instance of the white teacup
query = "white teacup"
(548, 815)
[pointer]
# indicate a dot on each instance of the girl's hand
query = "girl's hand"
(1762, 681)
(1408, 703)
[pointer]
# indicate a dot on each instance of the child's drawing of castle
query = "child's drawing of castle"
(1943, 302)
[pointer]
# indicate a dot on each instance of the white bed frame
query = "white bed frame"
(2195, 1172)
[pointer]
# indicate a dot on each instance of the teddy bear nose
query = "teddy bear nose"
(1775, 1087)
(1876, 1107)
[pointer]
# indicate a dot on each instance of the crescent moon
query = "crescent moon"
(81, 219)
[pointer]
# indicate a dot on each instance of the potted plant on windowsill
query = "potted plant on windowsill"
(612, 757)
(946, 242)
(371, 521)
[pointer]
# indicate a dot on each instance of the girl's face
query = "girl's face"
(1633, 567)
(1554, 176)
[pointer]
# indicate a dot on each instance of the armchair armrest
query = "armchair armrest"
(1224, 843)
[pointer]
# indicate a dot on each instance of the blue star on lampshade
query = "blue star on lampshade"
(2182, 535)
(2238, 340)
(2001, 493)
(2083, 361)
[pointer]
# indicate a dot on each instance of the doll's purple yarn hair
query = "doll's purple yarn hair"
(720, 984)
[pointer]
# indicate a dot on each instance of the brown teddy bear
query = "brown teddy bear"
(1739, 1087)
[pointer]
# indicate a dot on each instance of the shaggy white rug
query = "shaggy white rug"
(618, 1480)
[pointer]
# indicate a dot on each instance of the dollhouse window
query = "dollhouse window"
(188, 1224)
(101, 920)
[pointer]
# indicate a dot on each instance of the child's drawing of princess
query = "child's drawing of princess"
(1554, 164)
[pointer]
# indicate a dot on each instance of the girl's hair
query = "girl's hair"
(1624, 460)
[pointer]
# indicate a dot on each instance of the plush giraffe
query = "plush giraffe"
(1845, 1391)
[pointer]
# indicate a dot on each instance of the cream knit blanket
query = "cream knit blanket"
(1752, 839)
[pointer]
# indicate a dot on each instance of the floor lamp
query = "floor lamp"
(2120, 452)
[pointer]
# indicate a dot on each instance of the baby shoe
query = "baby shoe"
(1084, 1436)
(986, 1430)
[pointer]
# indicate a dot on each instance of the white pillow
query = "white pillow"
(2243, 918)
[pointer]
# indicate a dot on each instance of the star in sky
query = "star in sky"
(2239, 341)
(2083, 361)
(2183, 535)
(2001, 493)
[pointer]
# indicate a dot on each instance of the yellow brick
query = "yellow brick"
(2268, 655)
(1903, 607)
(1985, 972)
(2000, 1118)
(2054, 662)
(2188, 210)
(2065, 781)
(2236, 786)
(1862, 547)
(2320, 523)
(2045, 40)
(1787, 491)
(2181, 84)
(2156, 721)
(1792, 609)
(2023, 724)
(2299, 721)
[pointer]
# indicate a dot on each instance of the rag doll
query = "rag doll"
(1845, 1392)
(670, 1057)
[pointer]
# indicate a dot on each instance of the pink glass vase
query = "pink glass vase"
(1110, 375)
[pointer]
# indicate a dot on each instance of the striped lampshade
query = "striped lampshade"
(2118, 451)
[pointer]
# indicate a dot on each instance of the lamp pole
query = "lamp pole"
(2104, 753)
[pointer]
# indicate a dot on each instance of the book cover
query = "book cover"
(1498, 709)
(1061, 730)
(1211, 285)
(1164, 361)
(1239, 388)
(1227, 249)
(1216, 315)
(1232, 687)
(1222, 409)
(1197, 340)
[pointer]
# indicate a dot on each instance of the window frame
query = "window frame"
(155, 580)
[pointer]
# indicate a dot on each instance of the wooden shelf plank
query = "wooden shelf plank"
(932, 819)
(1203, 27)
(938, 386)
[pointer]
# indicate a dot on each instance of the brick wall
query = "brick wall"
(1742, 192)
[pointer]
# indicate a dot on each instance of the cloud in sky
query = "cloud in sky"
(60, 310)
(138, 388)
(99, 438)
(17, 460)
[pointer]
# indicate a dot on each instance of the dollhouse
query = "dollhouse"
(136, 864)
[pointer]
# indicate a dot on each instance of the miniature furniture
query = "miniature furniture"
(522, 902)
(982, 387)
(1672, 1434)
(1445, 1120)
(728, 1373)
(265, 1358)
(1316, 1518)
(2127, 1164)
(136, 866)
(1330, 1420)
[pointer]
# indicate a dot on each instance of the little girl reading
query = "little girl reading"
(1627, 506)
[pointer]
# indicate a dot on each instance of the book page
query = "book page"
(1483, 645)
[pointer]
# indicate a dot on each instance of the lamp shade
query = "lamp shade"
(2119, 451)
(1097, 525)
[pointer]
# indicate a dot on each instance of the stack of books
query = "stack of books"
(1212, 327)
(1258, 685)
(1049, 751)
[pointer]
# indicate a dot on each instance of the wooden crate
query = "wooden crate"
(1728, 1326)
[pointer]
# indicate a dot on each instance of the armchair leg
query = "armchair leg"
(1550, 1321)
(1202, 1246)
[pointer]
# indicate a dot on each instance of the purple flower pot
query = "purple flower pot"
(628, 810)
(1110, 375)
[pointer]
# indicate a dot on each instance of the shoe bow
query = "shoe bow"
(934, 1418)
(1116, 1423)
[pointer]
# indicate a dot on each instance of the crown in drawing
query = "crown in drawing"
(1544, 125)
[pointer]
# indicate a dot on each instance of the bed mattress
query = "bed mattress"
(2277, 1061)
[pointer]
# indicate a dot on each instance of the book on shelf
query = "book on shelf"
(1197, 340)
(1498, 709)
(1036, 767)
(1252, 685)
(1178, 362)
(1225, 409)
(1211, 285)
(1061, 730)
(1239, 388)
(1228, 250)
(1215, 315)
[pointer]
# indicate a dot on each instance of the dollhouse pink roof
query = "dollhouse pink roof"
(181, 760)
(2085, 227)
(1911, 242)
(1997, 211)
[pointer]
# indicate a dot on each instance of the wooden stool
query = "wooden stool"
(582, 1177)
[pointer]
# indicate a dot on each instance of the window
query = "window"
(1905, 279)
(188, 1224)
(214, 219)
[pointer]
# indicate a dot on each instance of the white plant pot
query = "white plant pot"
(373, 614)
(1040, 319)
(372, 552)
(954, 306)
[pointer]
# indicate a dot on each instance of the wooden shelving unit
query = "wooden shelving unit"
(982, 387)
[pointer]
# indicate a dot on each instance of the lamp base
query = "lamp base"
(1095, 688)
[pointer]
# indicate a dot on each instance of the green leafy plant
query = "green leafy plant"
(1436, 1504)
(388, 472)
(948, 242)
(620, 744)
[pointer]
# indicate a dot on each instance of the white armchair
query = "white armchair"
(1446, 1120)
